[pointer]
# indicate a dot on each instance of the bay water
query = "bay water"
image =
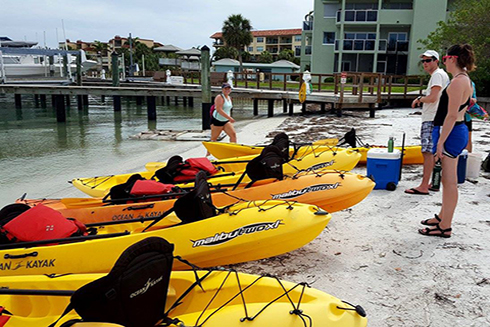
(38, 155)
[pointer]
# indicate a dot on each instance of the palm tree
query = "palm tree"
(236, 33)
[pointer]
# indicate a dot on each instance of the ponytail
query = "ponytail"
(466, 56)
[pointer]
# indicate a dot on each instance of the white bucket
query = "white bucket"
(473, 165)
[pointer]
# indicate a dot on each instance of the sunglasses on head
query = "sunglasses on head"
(427, 60)
(448, 57)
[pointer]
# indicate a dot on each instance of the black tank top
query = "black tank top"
(442, 108)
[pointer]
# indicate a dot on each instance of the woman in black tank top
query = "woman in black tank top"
(450, 134)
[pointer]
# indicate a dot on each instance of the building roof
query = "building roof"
(236, 63)
(190, 52)
(282, 32)
(168, 48)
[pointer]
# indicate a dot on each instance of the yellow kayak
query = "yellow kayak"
(218, 302)
(247, 231)
(331, 191)
(413, 153)
(316, 160)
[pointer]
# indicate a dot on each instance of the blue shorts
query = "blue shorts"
(426, 136)
(456, 141)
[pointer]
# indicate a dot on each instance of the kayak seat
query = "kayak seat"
(168, 173)
(197, 204)
(134, 292)
(281, 140)
(266, 165)
(120, 193)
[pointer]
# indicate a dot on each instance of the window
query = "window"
(361, 36)
(330, 10)
(360, 16)
(372, 36)
(260, 40)
(358, 45)
(250, 49)
(328, 37)
(348, 44)
(260, 49)
(297, 51)
(349, 15)
(297, 38)
(372, 16)
(350, 36)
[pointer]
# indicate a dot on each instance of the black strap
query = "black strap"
(165, 214)
(239, 180)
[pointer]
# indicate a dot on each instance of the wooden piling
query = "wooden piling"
(191, 102)
(85, 100)
(43, 101)
(168, 100)
(18, 101)
(184, 100)
(139, 101)
(284, 105)
(60, 108)
(256, 107)
(117, 102)
(303, 107)
(176, 101)
(80, 102)
(270, 108)
(323, 107)
(68, 102)
(36, 100)
(205, 87)
(151, 105)
(291, 108)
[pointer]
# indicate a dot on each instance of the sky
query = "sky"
(183, 23)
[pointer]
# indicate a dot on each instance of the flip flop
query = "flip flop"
(415, 191)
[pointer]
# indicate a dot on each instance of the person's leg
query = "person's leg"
(427, 146)
(230, 131)
(469, 147)
(449, 194)
(215, 132)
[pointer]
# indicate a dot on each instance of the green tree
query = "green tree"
(100, 47)
(265, 57)
(468, 23)
(286, 54)
(237, 33)
(246, 56)
(225, 52)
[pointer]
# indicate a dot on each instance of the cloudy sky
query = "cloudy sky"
(184, 23)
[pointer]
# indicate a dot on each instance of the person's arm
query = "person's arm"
(218, 102)
(435, 94)
(455, 93)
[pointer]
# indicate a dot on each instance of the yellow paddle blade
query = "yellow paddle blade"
(326, 142)
(302, 93)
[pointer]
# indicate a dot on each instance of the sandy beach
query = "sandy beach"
(371, 254)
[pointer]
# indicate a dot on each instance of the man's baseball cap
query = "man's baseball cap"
(430, 53)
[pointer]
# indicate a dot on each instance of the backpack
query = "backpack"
(486, 164)
(266, 165)
(134, 292)
(37, 224)
(197, 204)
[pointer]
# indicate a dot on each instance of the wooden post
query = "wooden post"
(257, 79)
(53, 101)
(270, 81)
(371, 110)
(320, 83)
(303, 108)
(284, 105)
(115, 80)
(361, 88)
(36, 100)
(176, 100)
(65, 66)
(43, 101)
(284, 81)
(85, 100)
(291, 107)
(339, 109)
(256, 107)
(80, 102)
(405, 89)
(270, 108)
(67, 98)
(139, 100)
(191, 102)
(184, 100)
(79, 68)
(151, 105)
(168, 100)
(18, 101)
(322, 107)
(206, 87)
(102, 98)
(60, 109)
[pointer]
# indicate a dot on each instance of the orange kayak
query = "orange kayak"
(332, 191)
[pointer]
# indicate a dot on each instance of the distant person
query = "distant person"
(468, 119)
(450, 134)
(438, 81)
(221, 119)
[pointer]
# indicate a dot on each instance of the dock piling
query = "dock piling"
(43, 101)
(18, 101)
(191, 102)
(270, 108)
(60, 108)
(151, 105)
(284, 105)
(205, 87)
(291, 108)
(80, 102)
(256, 107)
(36, 100)
(139, 101)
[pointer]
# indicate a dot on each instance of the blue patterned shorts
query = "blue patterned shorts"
(426, 136)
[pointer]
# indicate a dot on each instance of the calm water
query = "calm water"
(38, 155)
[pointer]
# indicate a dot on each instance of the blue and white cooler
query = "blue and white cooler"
(384, 167)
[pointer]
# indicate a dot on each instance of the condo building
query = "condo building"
(380, 36)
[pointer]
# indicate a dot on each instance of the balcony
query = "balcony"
(398, 46)
(358, 16)
(307, 26)
(272, 41)
(357, 45)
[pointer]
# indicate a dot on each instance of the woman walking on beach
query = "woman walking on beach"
(221, 119)
(450, 134)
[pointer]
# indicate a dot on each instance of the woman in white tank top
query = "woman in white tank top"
(221, 119)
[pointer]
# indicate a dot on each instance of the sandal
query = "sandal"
(426, 222)
(442, 232)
